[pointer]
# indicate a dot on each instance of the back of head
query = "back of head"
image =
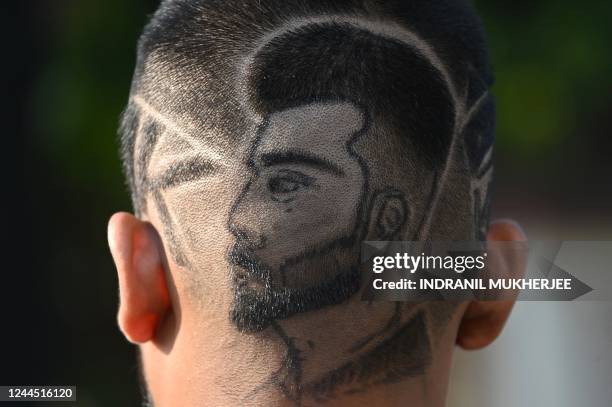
(264, 141)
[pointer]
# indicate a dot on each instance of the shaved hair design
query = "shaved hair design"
(347, 120)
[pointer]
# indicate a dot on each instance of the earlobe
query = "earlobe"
(483, 321)
(144, 299)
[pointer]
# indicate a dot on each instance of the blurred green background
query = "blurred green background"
(554, 93)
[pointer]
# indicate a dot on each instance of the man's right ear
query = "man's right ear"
(138, 254)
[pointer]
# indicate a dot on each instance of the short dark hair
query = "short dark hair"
(333, 61)
(196, 46)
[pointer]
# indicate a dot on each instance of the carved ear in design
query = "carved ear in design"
(389, 212)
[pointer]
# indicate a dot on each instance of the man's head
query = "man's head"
(263, 142)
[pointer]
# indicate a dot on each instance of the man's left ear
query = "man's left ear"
(482, 321)
(144, 299)
(388, 213)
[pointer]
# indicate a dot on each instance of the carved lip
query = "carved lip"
(245, 279)
(249, 266)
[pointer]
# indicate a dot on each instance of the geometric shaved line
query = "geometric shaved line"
(172, 126)
(469, 114)
(481, 196)
(190, 169)
(461, 121)
(486, 164)
(169, 230)
(206, 162)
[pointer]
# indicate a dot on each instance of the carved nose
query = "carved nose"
(246, 235)
(243, 222)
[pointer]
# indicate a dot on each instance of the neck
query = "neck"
(356, 353)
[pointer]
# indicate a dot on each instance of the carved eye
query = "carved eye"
(282, 185)
(285, 184)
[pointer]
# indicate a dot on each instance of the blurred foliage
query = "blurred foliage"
(553, 67)
(553, 64)
(84, 85)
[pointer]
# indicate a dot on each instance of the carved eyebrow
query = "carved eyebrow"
(298, 157)
(184, 171)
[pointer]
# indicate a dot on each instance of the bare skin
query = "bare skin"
(197, 359)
